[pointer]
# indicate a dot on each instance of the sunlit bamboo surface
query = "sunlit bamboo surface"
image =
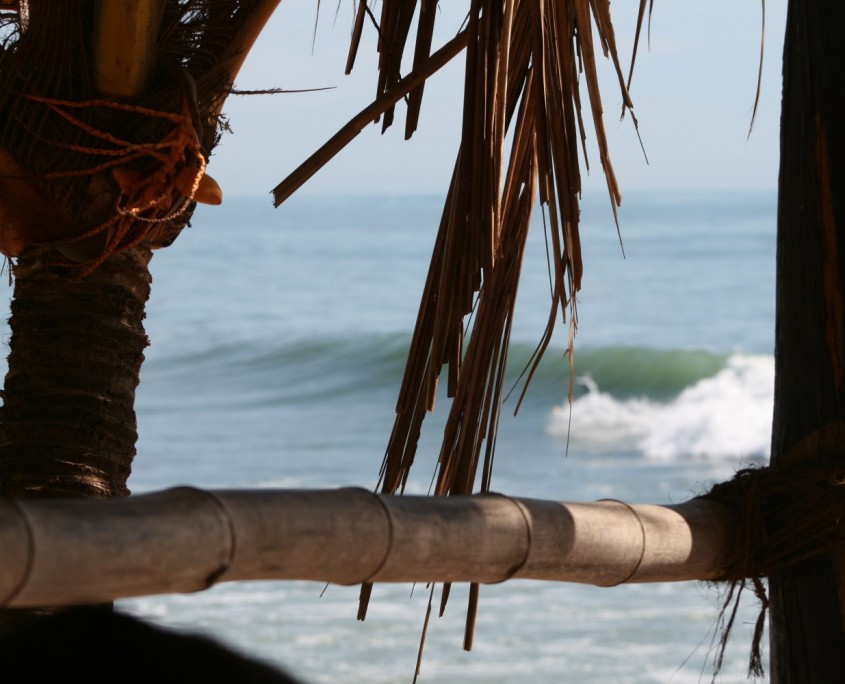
(184, 540)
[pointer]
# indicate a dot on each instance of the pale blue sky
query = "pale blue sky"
(693, 92)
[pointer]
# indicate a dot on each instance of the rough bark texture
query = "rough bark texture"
(809, 419)
(67, 425)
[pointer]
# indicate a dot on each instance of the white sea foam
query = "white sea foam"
(726, 415)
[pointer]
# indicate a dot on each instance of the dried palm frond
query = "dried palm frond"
(524, 62)
(524, 65)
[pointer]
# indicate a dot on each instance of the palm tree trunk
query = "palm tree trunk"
(67, 425)
(807, 635)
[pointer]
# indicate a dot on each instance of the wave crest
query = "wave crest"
(723, 416)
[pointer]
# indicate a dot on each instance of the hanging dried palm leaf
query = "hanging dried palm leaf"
(524, 63)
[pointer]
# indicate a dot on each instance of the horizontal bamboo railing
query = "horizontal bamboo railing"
(57, 552)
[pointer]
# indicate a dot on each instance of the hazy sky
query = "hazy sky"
(693, 92)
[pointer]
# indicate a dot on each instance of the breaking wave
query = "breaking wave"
(727, 414)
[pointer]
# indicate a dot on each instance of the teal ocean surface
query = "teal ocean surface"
(278, 343)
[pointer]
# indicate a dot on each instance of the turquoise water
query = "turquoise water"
(278, 342)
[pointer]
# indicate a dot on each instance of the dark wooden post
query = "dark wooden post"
(807, 636)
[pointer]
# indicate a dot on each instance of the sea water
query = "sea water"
(278, 343)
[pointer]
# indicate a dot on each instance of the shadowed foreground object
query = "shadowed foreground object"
(128, 650)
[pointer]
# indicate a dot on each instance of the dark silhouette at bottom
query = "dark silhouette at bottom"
(97, 645)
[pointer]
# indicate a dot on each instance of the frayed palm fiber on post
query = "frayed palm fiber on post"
(784, 516)
(522, 128)
(127, 172)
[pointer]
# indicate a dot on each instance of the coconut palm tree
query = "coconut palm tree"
(109, 112)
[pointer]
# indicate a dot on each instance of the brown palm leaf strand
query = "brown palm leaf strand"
(525, 60)
(547, 46)
(526, 53)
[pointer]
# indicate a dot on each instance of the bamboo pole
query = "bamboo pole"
(67, 552)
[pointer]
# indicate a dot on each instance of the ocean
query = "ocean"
(278, 342)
